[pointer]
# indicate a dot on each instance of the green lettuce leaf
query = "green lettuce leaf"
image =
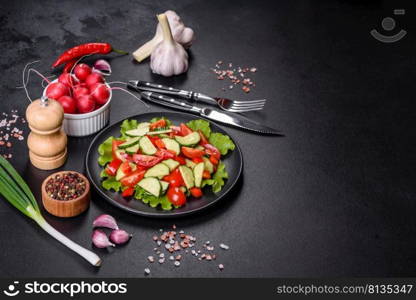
(217, 180)
(222, 142)
(105, 151)
(127, 125)
(168, 122)
(110, 183)
(202, 125)
(152, 200)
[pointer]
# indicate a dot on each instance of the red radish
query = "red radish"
(69, 104)
(101, 93)
(67, 79)
(56, 90)
(85, 104)
(94, 78)
(80, 91)
(82, 71)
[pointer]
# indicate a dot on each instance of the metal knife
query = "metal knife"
(209, 113)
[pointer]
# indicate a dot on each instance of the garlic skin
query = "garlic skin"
(181, 34)
(169, 57)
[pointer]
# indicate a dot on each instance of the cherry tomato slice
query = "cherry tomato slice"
(196, 192)
(191, 152)
(206, 175)
(132, 179)
(164, 154)
(204, 140)
(213, 160)
(158, 124)
(185, 130)
(146, 160)
(128, 192)
(176, 196)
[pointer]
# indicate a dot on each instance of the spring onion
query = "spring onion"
(14, 189)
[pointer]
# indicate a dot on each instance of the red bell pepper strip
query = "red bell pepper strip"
(85, 49)
(114, 147)
(180, 160)
(191, 152)
(113, 166)
(128, 192)
(133, 178)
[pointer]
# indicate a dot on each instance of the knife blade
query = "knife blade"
(211, 114)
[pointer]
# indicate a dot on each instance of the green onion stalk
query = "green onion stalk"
(15, 190)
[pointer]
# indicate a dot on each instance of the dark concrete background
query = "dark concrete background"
(335, 197)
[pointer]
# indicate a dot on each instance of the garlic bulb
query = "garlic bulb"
(181, 34)
(169, 57)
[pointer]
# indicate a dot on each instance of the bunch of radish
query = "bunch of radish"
(81, 91)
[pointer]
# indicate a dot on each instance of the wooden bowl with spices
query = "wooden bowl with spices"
(66, 194)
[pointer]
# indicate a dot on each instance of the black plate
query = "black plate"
(233, 162)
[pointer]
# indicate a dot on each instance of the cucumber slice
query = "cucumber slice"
(120, 174)
(119, 154)
(129, 143)
(189, 140)
(159, 131)
(147, 146)
(151, 185)
(164, 186)
(190, 163)
(188, 176)
(172, 145)
(172, 164)
(160, 170)
(198, 170)
(208, 165)
(133, 149)
(200, 148)
(141, 130)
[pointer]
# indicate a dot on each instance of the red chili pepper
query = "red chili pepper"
(85, 49)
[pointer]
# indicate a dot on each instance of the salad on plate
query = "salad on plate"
(163, 164)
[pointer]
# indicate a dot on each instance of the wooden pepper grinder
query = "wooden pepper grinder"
(47, 141)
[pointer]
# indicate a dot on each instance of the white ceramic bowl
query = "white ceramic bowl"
(89, 123)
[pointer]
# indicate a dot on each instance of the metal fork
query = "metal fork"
(223, 103)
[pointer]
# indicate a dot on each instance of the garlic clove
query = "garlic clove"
(181, 34)
(100, 240)
(106, 221)
(169, 57)
(103, 67)
(120, 236)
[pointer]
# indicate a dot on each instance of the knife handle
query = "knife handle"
(162, 89)
(169, 102)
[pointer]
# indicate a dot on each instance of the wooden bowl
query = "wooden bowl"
(69, 208)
